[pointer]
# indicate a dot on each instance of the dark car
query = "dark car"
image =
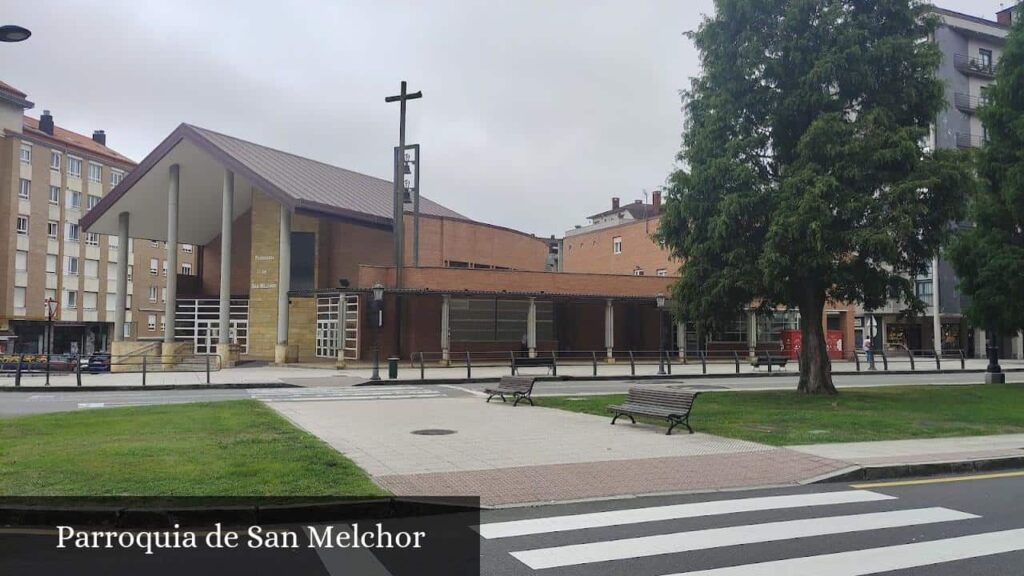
(99, 362)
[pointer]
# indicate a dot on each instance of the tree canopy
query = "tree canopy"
(989, 256)
(805, 172)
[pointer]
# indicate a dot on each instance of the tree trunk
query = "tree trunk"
(815, 366)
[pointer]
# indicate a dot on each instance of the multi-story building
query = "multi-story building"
(49, 178)
(971, 48)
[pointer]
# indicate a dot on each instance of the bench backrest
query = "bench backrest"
(522, 384)
(661, 397)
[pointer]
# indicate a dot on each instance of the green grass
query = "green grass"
(239, 448)
(863, 414)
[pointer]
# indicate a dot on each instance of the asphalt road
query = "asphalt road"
(969, 526)
(39, 400)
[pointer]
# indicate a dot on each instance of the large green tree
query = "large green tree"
(805, 172)
(989, 256)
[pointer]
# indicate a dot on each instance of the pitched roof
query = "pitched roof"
(313, 183)
(11, 94)
(637, 210)
(73, 139)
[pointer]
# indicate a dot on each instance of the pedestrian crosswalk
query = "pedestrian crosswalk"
(346, 393)
(592, 543)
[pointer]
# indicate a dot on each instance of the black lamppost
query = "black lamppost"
(378, 309)
(660, 299)
(12, 33)
(993, 372)
(51, 308)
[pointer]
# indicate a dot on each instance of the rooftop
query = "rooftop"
(75, 140)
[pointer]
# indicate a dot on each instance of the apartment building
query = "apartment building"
(971, 48)
(49, 178)
(618, 241)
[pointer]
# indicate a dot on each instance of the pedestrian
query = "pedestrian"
(869, 352)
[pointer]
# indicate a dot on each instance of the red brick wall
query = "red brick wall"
(241, 247)
(592, 252)
(443, 239)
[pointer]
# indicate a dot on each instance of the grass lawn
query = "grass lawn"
(783, 418)
(239, 448)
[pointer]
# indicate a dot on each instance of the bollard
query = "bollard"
(885, 361)
(554, 364)
(938, 360)
(393, 367)
(469, 367)
(423, 370)
(78, 371)
(856, 359)
(17, 373)
(594, 360)
(703, 361)
(736, 358)
(769, 362)
(512, 363)
(207, 368)
(668, 362)
(143, 370)
(632, 364)
(962, 363)
(910, 355)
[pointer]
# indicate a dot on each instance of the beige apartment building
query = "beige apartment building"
(49, 178)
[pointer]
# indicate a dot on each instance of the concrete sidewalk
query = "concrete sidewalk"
(921, 451)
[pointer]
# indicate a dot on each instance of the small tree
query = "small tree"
(989, 256)
(805, 174)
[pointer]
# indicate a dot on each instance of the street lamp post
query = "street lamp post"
(993, 372)
(12, 33)
(660, 299)
(378, 308)
(51, 308)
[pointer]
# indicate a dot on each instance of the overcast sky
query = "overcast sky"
(535, 112)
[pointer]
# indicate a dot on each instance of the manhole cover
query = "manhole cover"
(433, 432)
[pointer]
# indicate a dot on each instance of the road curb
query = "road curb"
(655, 377)
(896, 471)
(239, 386)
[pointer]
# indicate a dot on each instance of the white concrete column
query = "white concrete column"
(681, 339)
(609, 328)
(121, 292)
(752, 332)
(226, 219)
(172, 252)
(936, 315)
(980, 338)
(531, 328)
(446, 307)
(1018, 346)
(284, 271)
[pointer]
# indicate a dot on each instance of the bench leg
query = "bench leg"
(616, 417)
(489, 398)
(521, 397)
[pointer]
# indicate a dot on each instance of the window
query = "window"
(71, 232)
(617, 245)
(71, 265)
(19, 297)
(24, 188)
(54, 160)
(95, 172)
(21, 260)
(153, 293)
(91, 201)
(923, 290)
(661, 272)
(128, 302)
(112, 271)
(49, 294)
(111, 302)
(154, 243)
(89, 300)
(21, 225)
(92, 239)
(51, 263)
(74, 199)
(163, 294)
(55, 195)
(51, 228)
(986, 58)
(638, 272)
(186, 269)
(115, 177)
(165, 267)
(130, 267)
(127, 329)
(92, 268)
(153, 266)
(70, 300)
(186, 248)
(151, 322)
(26, 154)
(74, 167)
(163, 323)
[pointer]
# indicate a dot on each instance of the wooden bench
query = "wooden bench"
(673, 405)
(548, 362)
(769, 361)
(518, 387)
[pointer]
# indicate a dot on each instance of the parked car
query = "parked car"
(99, 362)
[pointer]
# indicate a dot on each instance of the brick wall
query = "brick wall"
(484, 245)
(592, 252)
(265, 221)
(241, 248)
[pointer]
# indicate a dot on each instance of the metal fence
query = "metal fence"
(42, 365)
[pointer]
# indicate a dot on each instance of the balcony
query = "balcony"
(974, 66)
(968, 140)
(969, 104)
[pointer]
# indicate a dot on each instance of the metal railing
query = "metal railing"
(968, 140)
(972, 65)
(968, 103)
(38, 365)
(551, 360)
(911, 358)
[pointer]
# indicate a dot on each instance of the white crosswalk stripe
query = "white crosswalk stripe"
(335, 394)
(605, 554)
(678, 511)
(589, 553)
